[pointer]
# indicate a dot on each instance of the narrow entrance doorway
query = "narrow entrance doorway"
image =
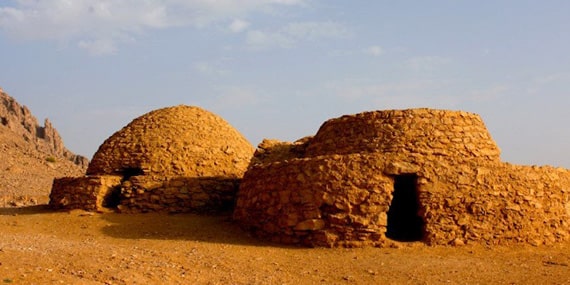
(404, 224)
(112, 198)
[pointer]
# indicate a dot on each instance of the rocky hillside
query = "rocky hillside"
(31, 155)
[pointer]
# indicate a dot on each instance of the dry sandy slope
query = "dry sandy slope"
(38, 246)
(26, 175)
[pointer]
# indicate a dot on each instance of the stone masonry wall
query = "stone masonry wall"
(273, 150)
(311, 201)
(172, 142)
(175, 159)
(344, 201)
(141, 194)
(337, 189)
(88, 193)
(178, 195)
(496, 204)
(453, 134)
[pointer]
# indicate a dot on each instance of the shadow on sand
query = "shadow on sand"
(212, 228)
(25, 210)
(218, 228)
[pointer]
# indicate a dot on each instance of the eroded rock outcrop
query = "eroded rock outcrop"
(31, 156)
(19, 119)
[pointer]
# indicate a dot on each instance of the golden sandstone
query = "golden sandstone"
(402, 175)
(374, 178)
(177, 159)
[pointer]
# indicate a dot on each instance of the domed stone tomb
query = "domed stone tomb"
(172, 142)
(383, 177)
(175, 159)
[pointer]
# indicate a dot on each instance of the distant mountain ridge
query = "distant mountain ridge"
(31, 156)
(20, 120)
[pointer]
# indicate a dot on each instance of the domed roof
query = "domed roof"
(175, 141)
(428, 132)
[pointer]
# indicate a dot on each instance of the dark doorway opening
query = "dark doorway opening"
(112, 198)
(404, 224)
(127, 173)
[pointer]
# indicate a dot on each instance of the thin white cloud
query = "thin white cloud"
(238, 25)
(98, 47)
(293, 33)
(262, 40)
(426, 63)
(488, 94)
(209, 68)
(374, 51)
(413, 93)
(355, 90)
(232, 97)
(99, 25)
(418, 101)
(555, 77)
(340, 53)
(315, 30)
(554, 84)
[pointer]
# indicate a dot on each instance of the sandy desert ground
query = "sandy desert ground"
(40, 246)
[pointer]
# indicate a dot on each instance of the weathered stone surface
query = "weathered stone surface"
(177, 159)
(273, 150)
(31, 156)
(311, 224)
(416, 131)
(396, 168)
(346, 174)
(176, 141)
(88, 193)
(46, 139)
(181, 194)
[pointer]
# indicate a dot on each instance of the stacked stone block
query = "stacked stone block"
(338, 191)
(178, 195)
(427, 132)
(88, 193)
(176, 159)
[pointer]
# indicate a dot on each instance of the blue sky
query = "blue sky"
(280, 68)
